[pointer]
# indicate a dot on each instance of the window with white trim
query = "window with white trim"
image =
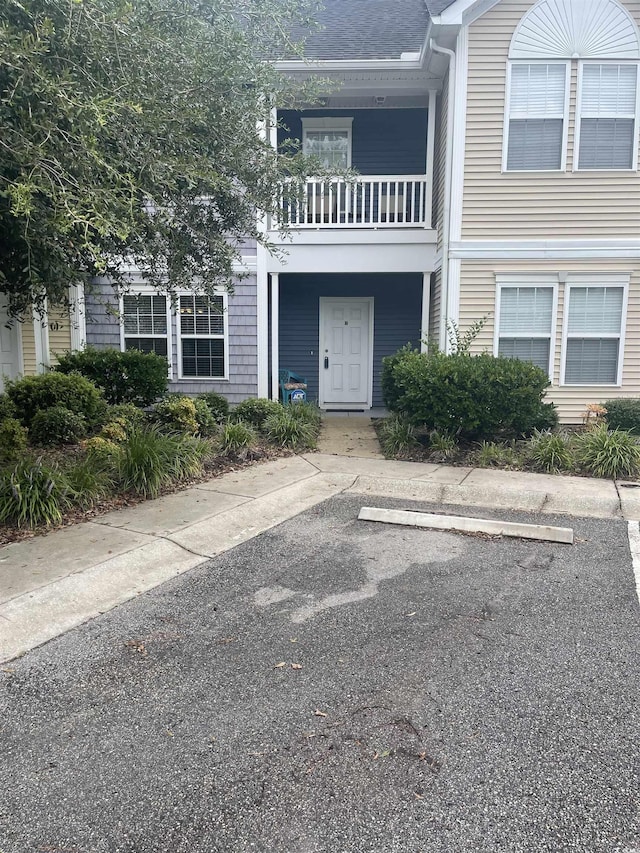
(607, 116)
(202, 326)
(328, 140)
(593, 334)
(537, 116)
(146, 323)
(525, 324)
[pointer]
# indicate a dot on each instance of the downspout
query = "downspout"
(446, 202)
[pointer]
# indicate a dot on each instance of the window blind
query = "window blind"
(594, 327)
(525, 323)
(607, 116)
(536, 116)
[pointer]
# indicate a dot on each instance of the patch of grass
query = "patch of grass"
(608, 453)
(149, 460)
(235, 437)
(90, 479)
(492, 454)
(288, 429)
(443, 444)
(34, 493)
(551, 452)
(308, 412)
(397, 435)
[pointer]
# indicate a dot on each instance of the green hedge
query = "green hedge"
(33, 394)
(623, 414)
(125, 377)
(478, 396)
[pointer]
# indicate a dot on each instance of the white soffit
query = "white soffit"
(585, 29)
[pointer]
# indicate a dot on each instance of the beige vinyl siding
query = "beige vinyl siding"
(28, 347)
(59, 332)
(536, 205)
(439, 160)
(478, 300)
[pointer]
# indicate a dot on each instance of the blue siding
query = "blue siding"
(384, 142)
(397, 316)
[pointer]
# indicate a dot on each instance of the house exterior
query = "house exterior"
(496, 152)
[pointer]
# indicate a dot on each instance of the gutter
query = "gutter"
(446, 202)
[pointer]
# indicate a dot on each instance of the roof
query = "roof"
(368, 29)
(437, 6)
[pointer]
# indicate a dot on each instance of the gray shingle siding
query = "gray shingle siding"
(103, 330)
(384, 142)
(397, 316)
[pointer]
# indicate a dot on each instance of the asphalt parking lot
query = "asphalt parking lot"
(344, 686)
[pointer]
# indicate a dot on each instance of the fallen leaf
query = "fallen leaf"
(409, 615)
(170, 733)
(293, 639)
(418, 796)
(320, 713)
(280, 665)
(296, 666)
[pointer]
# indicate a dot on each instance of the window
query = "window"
(526, 324)
(537, 109)
(203, 336)
(328, 139)
(607, 128)
(145, 323)
(593, 334)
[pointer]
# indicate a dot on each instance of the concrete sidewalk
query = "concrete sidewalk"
(52, 583)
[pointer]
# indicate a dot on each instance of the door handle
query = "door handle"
(326, 362)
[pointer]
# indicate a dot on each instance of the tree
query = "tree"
(128, 135)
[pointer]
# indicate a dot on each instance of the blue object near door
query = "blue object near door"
(293, 388)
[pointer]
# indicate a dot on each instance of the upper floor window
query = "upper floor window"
(608, 116)
(603, 39)
(537, 108)
(329, 140)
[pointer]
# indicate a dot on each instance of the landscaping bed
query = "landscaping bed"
(73, 447)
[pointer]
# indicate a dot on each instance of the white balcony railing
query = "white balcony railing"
(366, 201)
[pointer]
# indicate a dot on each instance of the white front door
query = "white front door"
(9, 349)
(346, 353)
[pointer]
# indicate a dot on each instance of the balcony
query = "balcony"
(365, 201)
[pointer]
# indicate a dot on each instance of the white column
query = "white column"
(426, 296)
(262, 318)
(275, 333)
(429, 167)
(77, 317)
(41, 339)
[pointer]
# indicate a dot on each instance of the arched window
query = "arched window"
(602, 38)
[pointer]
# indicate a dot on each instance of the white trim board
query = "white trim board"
(605, 249)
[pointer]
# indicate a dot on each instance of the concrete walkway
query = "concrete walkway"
(349, 435)
(52, 583)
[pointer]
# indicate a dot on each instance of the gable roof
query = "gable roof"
(437, 6)
(367, 29)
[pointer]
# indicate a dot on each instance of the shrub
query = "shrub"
(125, 377)
(115, 431)
(13, 440)
(547, 417)
(34, 493)
(207, 421)
(150, 459)
(550, 452)
(218, 405)
(491, 454)
(608, 453)
(103, 451)
(236, 436)
(288, 430)
(397, 435)
(35, 393)
(126, 414)
(7, 409)
(57, 425)
(176, 413)
(623, 414)
(256, 410)
(471, 396)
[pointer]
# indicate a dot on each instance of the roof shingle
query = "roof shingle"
(367, 29)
